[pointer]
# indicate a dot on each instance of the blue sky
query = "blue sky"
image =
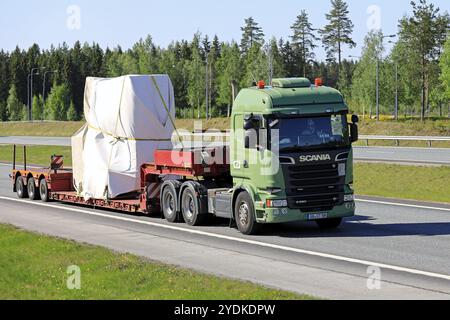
(115, 22)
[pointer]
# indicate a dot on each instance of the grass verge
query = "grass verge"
(36, 155)
(403, 182)
(35, 267)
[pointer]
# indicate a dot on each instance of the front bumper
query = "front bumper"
(283, 215)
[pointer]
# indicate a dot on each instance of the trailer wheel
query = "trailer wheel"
(43, 190)
(20, 188)
(244, 212)
(190, 207)
(329, 224)
(32, 190)
(169, 204)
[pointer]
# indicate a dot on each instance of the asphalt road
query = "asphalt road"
(408, 242)
(366, 154)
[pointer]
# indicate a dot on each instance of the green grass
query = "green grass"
(34, 266)
(36, 155)
(406, 127)
(43, 129)
(403, 182)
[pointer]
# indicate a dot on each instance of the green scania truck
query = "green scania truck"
(289, 159)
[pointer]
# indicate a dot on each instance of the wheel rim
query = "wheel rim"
(188, 207)
(30, 188)
(169, 204)
(243, 214)
(43, 190)
(19, 187)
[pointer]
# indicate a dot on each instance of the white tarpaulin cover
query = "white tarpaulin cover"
(127, 118)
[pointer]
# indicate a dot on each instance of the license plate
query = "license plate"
(317, 216)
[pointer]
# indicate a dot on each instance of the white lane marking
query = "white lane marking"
(246, 241)
(403, 205)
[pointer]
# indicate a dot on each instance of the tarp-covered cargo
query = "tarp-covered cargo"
(127, 118)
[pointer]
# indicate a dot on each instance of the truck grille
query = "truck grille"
(312, 188)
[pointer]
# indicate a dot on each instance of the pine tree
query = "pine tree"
(338, 31)
(72, 114)
(4, 77)
(228, 82)
(196, 82)
(3, 111)
(251, 34)
(304, 38)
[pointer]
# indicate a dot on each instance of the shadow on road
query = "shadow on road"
(358, 226)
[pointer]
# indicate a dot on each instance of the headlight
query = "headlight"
(276, 203)
(349, 198)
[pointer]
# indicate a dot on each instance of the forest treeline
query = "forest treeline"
(207, 73)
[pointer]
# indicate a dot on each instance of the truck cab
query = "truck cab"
(291, 155)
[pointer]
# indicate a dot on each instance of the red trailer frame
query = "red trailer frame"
(191, 165)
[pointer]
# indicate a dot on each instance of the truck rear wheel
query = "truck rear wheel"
(329, 224)
(43, 191)
(169, 204)
(20, 188)
(32, 190)
(190, 207)
(244, 213)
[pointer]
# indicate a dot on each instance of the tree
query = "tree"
(72, 114)
(3, 111)
(4, 77)
(38, 108)
(256, 66)
(304, 38)
(338, 31)
(58, 103)
(251, 34)
(424, 34)
(445, 68)
(364, 85)
(228, 83)
(196, 83)
(14, 105)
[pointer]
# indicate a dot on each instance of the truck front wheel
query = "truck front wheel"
(244, 213)
(329, 224)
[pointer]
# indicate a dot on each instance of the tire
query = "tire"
(329, 224)
(190, 208)
(169, 204)
(33, 193)
(43, 191)
(244, 213)
(20, 188)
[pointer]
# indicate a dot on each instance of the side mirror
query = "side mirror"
(354, 135)
(355, 118)
(249, 124)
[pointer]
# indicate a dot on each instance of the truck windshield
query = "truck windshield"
(311, 133)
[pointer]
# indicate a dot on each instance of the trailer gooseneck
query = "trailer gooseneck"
(290, 159)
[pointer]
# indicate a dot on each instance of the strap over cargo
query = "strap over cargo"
(127, 119)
